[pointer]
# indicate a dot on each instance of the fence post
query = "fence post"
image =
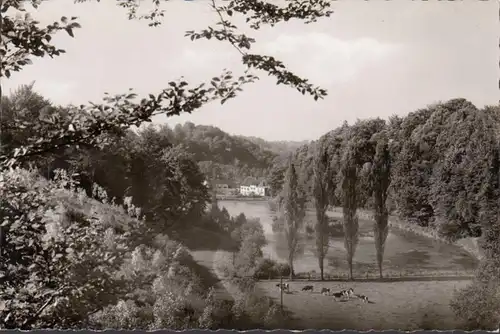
(281, 291)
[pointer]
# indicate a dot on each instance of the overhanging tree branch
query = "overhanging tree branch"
(23, 38)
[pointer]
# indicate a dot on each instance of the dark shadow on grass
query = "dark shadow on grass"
(197, 238)
(207, 277)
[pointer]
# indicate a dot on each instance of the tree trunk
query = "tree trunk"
(290, 264)
(281, 293)
(321, 268)
(351, 277)
(380, 268)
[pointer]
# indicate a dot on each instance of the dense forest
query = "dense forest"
(220, 154)
(444, 165)
(279, 147)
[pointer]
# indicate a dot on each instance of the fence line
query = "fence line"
(415, 274)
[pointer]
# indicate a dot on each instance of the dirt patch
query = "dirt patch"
(394, 305)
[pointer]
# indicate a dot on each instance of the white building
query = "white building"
(254, 190)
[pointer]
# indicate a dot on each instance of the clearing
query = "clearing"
(406, 254)
(394, 305)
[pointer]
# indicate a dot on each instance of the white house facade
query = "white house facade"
(254, 190)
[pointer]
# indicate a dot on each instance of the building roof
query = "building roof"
(230, 183)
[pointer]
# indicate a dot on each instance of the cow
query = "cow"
(308, 288)
(283, 286)
(340, 295)
(325, 291)
(363, 298)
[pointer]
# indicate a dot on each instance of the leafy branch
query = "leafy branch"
(267, 13)
(84, 124)
(263, 12)
(22, 37)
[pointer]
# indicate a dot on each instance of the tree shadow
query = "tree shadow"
(197, 238)
(205, 274)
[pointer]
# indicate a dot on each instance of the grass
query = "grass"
(407, 253)
(421, 273)
(467, 244)
(394, 305)
(197, 238)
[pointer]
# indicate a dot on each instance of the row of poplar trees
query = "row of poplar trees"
(346, 167)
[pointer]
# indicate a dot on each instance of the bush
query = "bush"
(478, 304)
(309, 231)
(107, 274)
(268, 268)
(278, 224)
(335, 229)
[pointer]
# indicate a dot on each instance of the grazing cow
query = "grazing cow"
(284, 286)
(340, 295)
(308, 288)
(363, 298)
(349, 292)
(325, 291)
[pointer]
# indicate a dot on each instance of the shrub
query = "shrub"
(309, 230)
(478, 304)
(336, 230)
(268, 268)
(103, 272)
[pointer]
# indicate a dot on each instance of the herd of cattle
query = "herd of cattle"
(340, 295)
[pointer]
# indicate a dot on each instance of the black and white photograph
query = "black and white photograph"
(249, 164)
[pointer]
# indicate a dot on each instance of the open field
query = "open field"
(420, 273)
(395, 305)
(406, 253)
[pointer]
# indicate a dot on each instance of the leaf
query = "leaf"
(69, 31)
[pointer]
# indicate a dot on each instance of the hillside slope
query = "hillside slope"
(279, 147)
(217, 152)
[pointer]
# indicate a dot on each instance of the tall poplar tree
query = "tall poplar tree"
(380, 181)
(349, 175)
(321, 191)
(293, 210)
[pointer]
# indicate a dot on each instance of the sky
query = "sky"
(375, 58)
